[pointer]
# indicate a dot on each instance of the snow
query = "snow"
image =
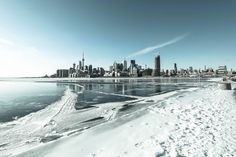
(195, 122)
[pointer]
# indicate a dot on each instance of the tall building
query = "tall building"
(115, 69)
(80, 65)
(86, 68)
(90, 69)
(131, 67)
(132, 62)
(175, 68)
(83, 62)
(119, 67)
(125, 65)
(157, 68)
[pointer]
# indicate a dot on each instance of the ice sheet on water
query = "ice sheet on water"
(61, 119)
(182, 126)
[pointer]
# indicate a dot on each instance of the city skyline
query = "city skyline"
(38, 37)
(134, 69)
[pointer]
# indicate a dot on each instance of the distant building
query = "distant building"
(222, 70)
(86, 68)
(83, 62)
(191, 69)
(110, 68)
(80, 65)
(147, 72)
(101, 72)
(119, 67)
(157, 68)
(133, 71)
(62, 73)
(90, 69)
(115, 69)
(132, 62)
(125, 65)
(175, 68)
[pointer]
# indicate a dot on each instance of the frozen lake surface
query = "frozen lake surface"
(104, 110)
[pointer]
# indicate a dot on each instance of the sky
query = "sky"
(39, 36)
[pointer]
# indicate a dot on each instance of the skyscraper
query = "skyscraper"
(132, 62)
(157, 68)
(83, 62)
(80, 65)
(90, 69)
(125, 65)
(175, 68)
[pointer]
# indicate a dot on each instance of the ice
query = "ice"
(27, 131)
(196, 122)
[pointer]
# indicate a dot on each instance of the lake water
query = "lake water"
(18, 99)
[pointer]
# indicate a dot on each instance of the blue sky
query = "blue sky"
(37, 37)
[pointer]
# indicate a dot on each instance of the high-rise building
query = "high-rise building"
(86, 67)
(157, 68)
(90, 69)
(83, 62)
(80, 65)
(132, 68)
(132, 62)
(119, 67)
(175, 68)
(125, 65)
(115, 69)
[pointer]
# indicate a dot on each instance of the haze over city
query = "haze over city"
(38, 37)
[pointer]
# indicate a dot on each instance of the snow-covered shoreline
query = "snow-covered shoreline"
(25, 133)
(195, 123)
